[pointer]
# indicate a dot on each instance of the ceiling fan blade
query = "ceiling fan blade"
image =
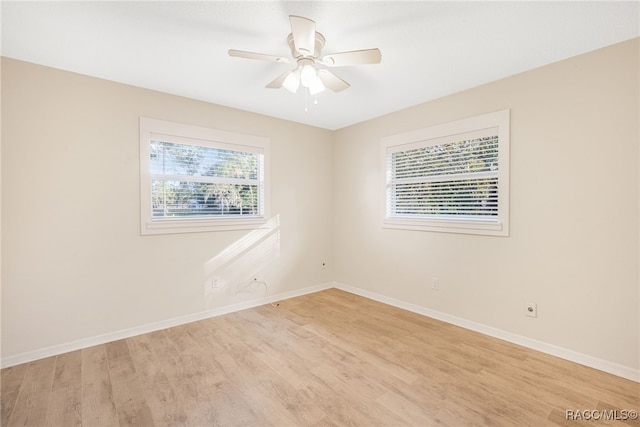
(304, 34)
(277, 82)
(332, 81)
(355, 57)
(259, 56)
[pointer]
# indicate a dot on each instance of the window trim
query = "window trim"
(189, 134)
(433, 135)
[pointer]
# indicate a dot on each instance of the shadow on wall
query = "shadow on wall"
(233, 275)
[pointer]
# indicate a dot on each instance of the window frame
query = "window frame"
(204, 137)
(438, 135)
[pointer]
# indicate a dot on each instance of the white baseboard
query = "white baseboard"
(563, 353)
(151, 327)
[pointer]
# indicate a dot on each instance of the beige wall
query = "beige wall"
(573, 247)
(74, 264)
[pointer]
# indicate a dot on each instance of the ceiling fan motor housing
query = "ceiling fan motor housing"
(319, 44)
(306, 46)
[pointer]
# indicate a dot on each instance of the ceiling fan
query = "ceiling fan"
(306, 50)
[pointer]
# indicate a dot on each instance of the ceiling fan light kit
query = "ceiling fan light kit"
(292, 81)
(306, 48)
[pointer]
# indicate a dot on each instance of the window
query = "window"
(452, 177)
(197, 179)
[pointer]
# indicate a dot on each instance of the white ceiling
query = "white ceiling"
(429, 48)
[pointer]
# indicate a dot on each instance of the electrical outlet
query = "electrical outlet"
(435, 283)
(215, 283)
(532, 309)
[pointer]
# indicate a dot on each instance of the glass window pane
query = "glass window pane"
(178, 198)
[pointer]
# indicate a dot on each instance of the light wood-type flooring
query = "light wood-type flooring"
(325, 359)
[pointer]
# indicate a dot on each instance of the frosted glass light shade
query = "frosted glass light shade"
(292, 81)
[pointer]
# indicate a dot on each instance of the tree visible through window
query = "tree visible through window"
(452, 177)
(458, 179)
(196, 179)
(189, 180)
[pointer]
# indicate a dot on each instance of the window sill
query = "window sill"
(174, 226)
(481, 227)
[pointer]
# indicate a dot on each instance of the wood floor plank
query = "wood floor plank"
(68, 370)
(11, 378)
(117, 350)
(195, 403)
(195, 363)
(611, 412)
(582, 379)
(10, 381)
(65, 407)
(130, 403)
(388, 364)
(98, 404)
(343, 407)
(65, 402)
(32, 402)
(6, 407)
(261, 386)
(408, 411)
(229, 407)
(325, 359)
(158, 390)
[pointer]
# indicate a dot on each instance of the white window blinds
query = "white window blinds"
(457, 179)
(452, 177)
(195, 179)
(198, 181)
